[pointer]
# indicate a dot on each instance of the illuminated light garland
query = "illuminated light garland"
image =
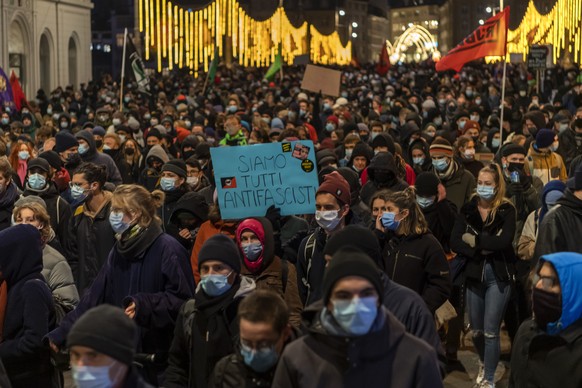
(185, 38)
(561, 27)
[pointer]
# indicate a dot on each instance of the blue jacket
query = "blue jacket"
(29, 309)
(158, 280)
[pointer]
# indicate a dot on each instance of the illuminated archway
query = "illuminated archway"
(416, 43)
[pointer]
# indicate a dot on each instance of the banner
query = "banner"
(249, 179)
(137, 67)
(490, 39)
(320, 79)
(6, 97)
(213, 67)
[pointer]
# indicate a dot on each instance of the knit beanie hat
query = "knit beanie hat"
(441, 147)
(545, 138)
(351, 262)
(98, 130)
(65, 140)
(511, 149)
(220, 247)
(325, 157)
(52, 158)
(355, 236)
(106, 329)
(336, 185)
(177, 166)
(470, 124)
(155, 133)
(426, 184)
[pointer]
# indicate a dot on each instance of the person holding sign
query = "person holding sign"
(254, 237)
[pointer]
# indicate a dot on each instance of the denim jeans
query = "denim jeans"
(486, 303)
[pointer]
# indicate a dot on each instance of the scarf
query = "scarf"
(133, 243)
(450, 171)
(21, 171)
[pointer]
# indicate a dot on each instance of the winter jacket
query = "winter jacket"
(290, 226)
(206, 331)
(473, 166)
(552, 358)
(311, 262)
(29, 310)
(460, 184)
(541, 164)
(151, 270)
(7, 199)
(419, 263)
(194, 204)
(58, 209)
(382, 161)
(440, 217)
(559, 230)
(493, 241)
(411, 310)
(59, 277)
(170, 203)
(89, 243)
(237, 140)
(570, 146)
(529, 234)
(100, 159)
(207, 230)
(135, 380)
(150, 177)
(385, 357)
(427, 163)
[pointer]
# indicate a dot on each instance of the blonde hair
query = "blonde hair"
(136, 199)
(415, 223)
(40, 214)
(499, 199)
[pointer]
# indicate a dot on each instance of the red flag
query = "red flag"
(488, 39)
(384, 64)
(17, 94)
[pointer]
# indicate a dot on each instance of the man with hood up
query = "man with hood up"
(190, 212)
(547, 351)
(154, 161)
(27, 310)
(382, 174)
(88, 151)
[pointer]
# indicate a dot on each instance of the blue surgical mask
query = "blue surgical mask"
(36, 181)
(64, 125)
(440, 164)
(215, 285)
(486, 192)
(252, 251)
(418, 161)
(232, 109)
(83, 149)
(356, 316)
(23, 155)
(326, 106)
(92, 376)
(389, 221)
(168, 184)
(117, 223)
(301, 113)
(327, 219)
(329, 127)
(259, 360)
(77, 192)
(374, 135)
(462, 124)
(5, 121)
(495, 143)
(424, 202)
(349, 152)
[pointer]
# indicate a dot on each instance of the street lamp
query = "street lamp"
(355, 25)
(342, 12)
(354, 35)
(488, 9)
(481, 22)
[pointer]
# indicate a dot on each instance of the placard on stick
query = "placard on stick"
(249, 179)
(320, 79)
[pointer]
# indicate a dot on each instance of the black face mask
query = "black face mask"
(98, 143)
(188, 154)
(73, 159)
(547, 307)
(515, 167)
(384, 177)
(130, 151)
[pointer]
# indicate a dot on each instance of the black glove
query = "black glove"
(516, 188)
(274, 217)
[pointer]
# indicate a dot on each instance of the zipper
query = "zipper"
(395, 265)
(483, 271)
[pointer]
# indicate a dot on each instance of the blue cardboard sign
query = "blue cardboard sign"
(249, 179)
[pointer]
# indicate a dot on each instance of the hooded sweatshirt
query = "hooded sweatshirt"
(383, 162)
(94, 156)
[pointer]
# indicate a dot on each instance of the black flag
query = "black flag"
(137, 67)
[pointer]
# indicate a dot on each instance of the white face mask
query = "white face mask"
(192, 180)
(328, 219)
(92, 376)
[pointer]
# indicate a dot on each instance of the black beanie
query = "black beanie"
(222, 248)
(511, 149)
(106, 329)
(64, 141)
(41, 163)
(351, 262)
(358, 237)
(426, 184)
(177, 166)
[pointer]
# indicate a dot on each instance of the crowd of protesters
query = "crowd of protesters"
(438, 199)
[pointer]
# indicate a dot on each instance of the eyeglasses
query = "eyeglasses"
(548, 281)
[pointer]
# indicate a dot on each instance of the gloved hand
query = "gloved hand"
(516, 188)
(469, 239)
(274, 216)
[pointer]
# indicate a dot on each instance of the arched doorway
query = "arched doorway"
(73, 63)
(45, 60)
(17, 52)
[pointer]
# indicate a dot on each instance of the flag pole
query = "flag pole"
(502, 84)
(122, 71)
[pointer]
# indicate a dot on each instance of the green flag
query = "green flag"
(213, 66)
(275, 66)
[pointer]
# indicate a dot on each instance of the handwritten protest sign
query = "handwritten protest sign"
(249, 179)
(320, 79)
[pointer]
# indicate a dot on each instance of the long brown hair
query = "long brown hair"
(415, 223)
(499, 199)
(14, 154)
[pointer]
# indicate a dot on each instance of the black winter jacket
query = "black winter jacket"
(419, 263)
(493, 242)
(7, 199)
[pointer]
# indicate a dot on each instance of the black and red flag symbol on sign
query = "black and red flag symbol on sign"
(228, 183)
